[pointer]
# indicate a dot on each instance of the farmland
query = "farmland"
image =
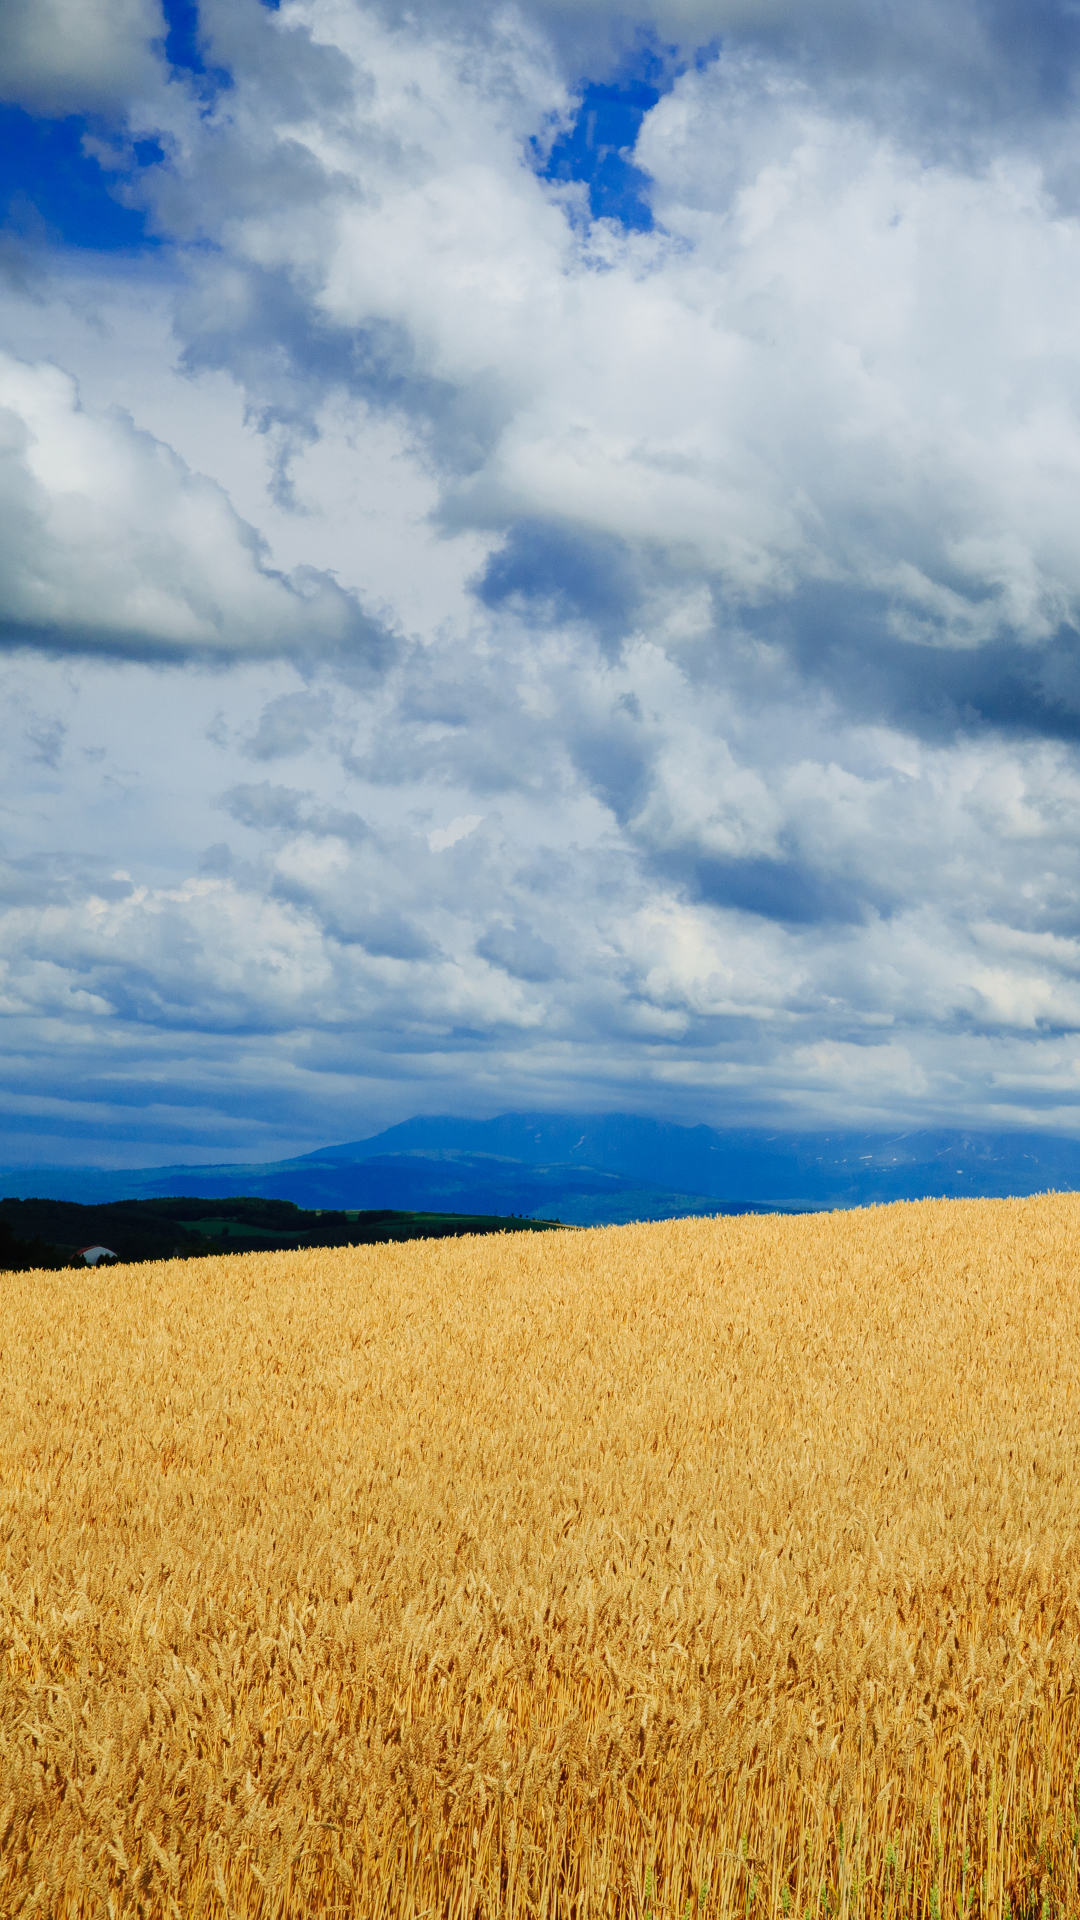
(723, 1567)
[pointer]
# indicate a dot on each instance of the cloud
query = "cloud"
(725, 760)
(287, 724)
(814, 379)
(988, 62)
(47, 739)
(519, 950)
(558, 573)
(75, 56)
(109, 544)
(342, 961)
(282, 808)
(458, 829)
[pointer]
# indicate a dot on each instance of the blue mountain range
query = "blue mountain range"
(592, 1170)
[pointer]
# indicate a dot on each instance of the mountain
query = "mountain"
(591, 1169)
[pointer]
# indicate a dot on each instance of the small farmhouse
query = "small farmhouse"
(98, 1256)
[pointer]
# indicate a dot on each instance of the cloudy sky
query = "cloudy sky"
(539, 566)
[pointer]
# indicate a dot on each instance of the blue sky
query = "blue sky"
(538, 567)
(595, 147)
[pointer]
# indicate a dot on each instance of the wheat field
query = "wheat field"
(720, 1567)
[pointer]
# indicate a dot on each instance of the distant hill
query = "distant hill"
(589, 1169)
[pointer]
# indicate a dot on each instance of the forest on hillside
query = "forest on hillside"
(51, 1233)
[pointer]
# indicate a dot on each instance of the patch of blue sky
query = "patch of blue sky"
(182, 39)
(54, 191)
(53, 188)
(183, 47)
(596, 150)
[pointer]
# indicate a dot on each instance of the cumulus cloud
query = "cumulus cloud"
(948, 76)
(824, 374)
(77, 56)
(110, 544)
(732, 769)
(334, 959)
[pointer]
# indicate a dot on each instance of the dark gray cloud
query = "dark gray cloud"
(842, 640)
(519, 950)
(284, 809)
(615, 755)
(557, 573)
(787, 890)
(64, 56)
(384, 933)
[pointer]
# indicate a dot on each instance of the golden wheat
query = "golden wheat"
(711, 1568)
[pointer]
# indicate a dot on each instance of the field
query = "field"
(722, 1567)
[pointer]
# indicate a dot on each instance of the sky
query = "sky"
(539, 567)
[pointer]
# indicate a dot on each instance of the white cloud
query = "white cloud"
(77, 56)
(458, 829)
(974, 56)
(109, 543)
(766, 691)
(831, 366)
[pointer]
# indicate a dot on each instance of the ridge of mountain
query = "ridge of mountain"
(592, 1169)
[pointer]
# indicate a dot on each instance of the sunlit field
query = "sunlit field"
(722, 1567)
